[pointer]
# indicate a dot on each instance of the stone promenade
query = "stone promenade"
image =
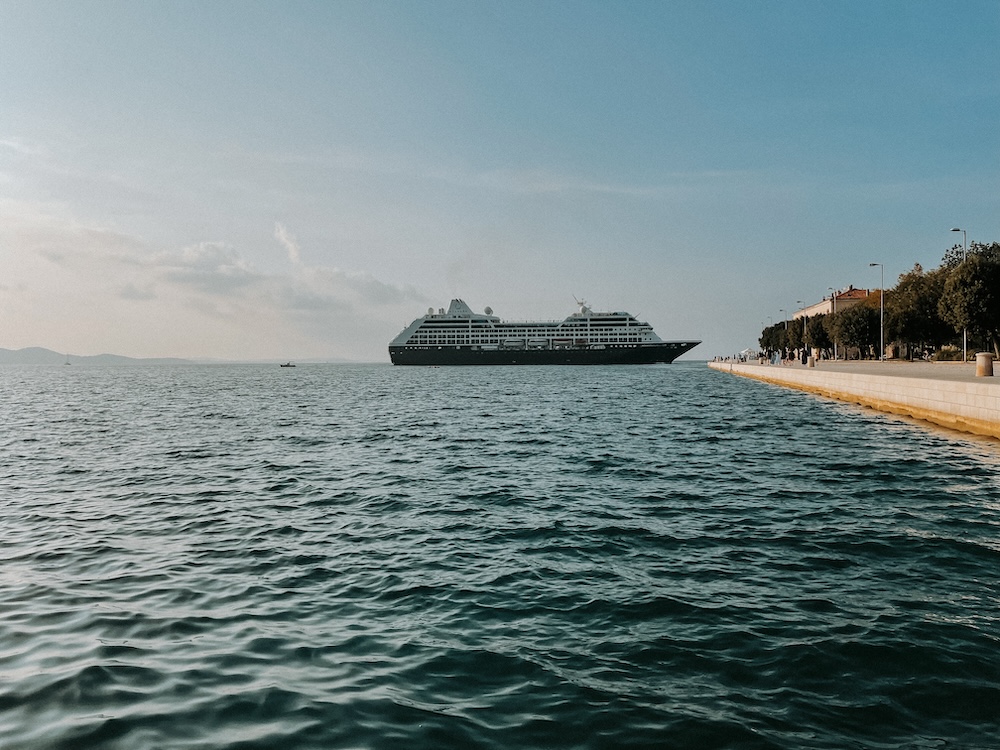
(945, 393)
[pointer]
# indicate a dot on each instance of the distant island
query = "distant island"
(35, 355)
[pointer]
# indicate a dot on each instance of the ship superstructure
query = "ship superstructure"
(463, 337)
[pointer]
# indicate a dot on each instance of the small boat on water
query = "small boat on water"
(287, 364)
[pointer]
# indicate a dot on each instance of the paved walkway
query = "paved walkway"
(965, 372)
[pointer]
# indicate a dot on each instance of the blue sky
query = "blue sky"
(301, 179)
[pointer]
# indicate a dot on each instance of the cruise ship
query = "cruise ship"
(463, 337)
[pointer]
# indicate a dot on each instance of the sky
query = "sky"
(300, 180)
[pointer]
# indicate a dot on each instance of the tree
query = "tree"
(954, 255)
(793, 334)
(858, 326)
(773, 338)
(989, 252)
(971, 297)
(911, 309)
(817, 335)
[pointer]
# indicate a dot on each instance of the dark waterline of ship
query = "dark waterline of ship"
(539, 557)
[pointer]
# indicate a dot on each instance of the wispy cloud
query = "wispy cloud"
(19, 146)
(134, 292)
(211, 267)
(208, 292)
(288, 241)
(516, 180)
(535, 181)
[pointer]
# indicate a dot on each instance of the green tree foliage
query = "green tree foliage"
(911, 309)
(773, 338)
(817, 335)
(971, 298)
(989, 252)
(793, 334)
(954, 255)
(858, 326)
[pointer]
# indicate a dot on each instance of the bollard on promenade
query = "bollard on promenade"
(984, 365)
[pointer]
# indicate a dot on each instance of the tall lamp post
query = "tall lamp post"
(881, 313)
(782, 311)
(965, 331)
(833, 296)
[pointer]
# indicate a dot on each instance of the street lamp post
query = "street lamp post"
(782, 311)
(833, 296)
(881, 313)
(965, 331)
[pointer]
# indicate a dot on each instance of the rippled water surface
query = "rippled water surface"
(376, 557)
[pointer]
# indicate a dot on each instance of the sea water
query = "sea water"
(548, 557)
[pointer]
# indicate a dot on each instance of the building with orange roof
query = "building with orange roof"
(837, 302)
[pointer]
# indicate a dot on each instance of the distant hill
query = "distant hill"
(35, 355)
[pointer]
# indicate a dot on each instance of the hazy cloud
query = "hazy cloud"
(288, 241)
(20, 147)
(133, 292)
(67, 284)
(540, 181)
(212, 267)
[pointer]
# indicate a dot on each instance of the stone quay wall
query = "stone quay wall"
(961, 403)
